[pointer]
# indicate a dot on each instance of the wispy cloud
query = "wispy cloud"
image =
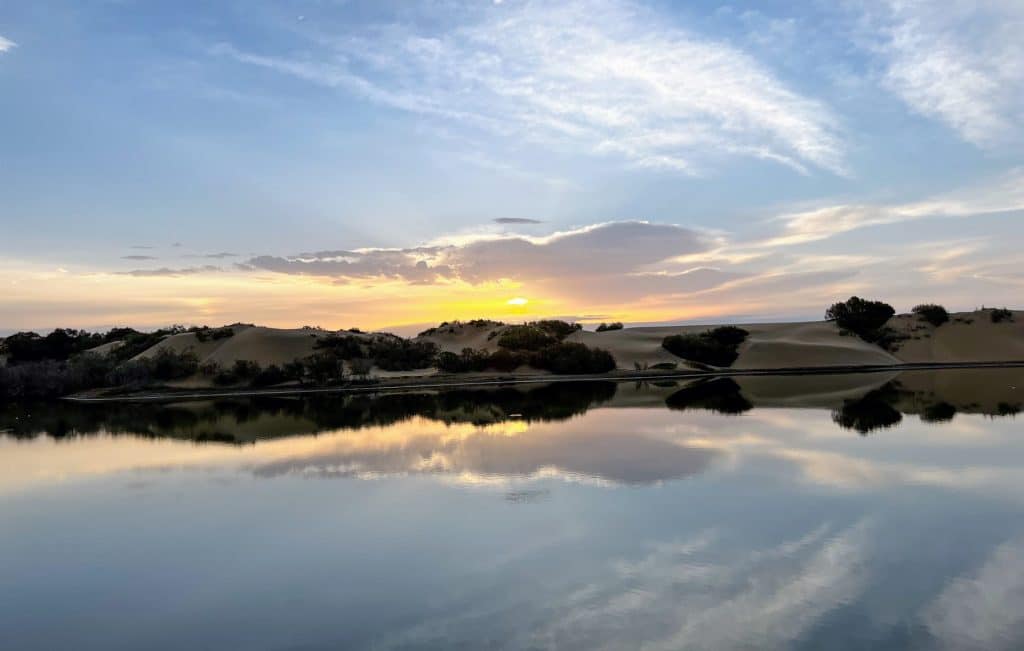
(1005, 194)
(6, 44)
(211, 256)
(957, 61)
(516, 220)
(167, 272)
(603, 77)
(138, 257)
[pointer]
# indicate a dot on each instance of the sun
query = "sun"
(518, 300)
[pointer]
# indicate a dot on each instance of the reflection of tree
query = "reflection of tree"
(939, 412)
(872, 412)
(223, 420)
(722, 395)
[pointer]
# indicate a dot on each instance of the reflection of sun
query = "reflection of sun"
(518, 300)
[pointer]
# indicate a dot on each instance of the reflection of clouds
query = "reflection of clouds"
(682, 600)
(480, 453)
(986, 610)
(699, 593)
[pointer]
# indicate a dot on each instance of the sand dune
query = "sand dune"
(969, 337)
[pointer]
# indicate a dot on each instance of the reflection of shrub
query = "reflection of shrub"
(1000, 314)
(869, 413)
(1007, 409)
(940, 412)
(605, 327)
(933, 314)
(717, 347)
(722, 395)
(861, 317)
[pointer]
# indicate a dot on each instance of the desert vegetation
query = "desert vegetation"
(932, 313)
(715, 347)
(605, 327)
(557, 357)
(1000, 314)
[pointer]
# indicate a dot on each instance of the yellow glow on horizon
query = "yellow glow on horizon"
(37, 298)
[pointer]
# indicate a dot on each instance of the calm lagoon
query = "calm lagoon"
(859, 511)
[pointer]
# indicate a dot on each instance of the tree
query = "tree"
(861, 317)
(605, 327)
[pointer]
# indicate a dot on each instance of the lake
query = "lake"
(871, 511)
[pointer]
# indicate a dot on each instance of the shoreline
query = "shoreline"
(170, 395)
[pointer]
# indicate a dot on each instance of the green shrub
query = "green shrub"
(324, 367)
(717, 347)
(862, 317)
(525, 337)
(397, 354)
(933, 314)
(605, 327)
(566, 358)
(361, 367)
(269, 376)
(1000, 314)
(206, 333)
(557, 329)
(342, 346)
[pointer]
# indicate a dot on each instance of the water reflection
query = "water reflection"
(860, 402)
(731, 514)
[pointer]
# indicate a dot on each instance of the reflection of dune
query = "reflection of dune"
(613, 457)
(820, 391)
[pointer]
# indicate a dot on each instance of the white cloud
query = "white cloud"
(598, 76)
(598, 250)
(6, 44)
(958, 61)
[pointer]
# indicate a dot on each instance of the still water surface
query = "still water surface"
(841, 512)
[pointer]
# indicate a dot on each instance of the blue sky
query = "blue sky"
(793, 151)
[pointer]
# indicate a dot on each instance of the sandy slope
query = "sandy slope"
(455, 337)
(778, 345)
(968, 337)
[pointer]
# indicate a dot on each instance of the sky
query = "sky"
(390, 164)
